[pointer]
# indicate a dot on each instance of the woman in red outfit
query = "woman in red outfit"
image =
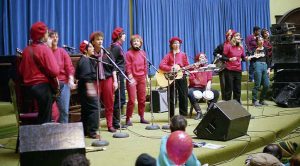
(233, 72)
(173, 61)
(136, 70)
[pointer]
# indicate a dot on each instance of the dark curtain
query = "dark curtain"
(73, 19)
(200, 23)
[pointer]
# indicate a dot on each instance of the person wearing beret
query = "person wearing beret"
(107, 78)
(172, 62)
(201, 81)
(66, 76)
(86, 75)
(233, 71)
(37, 66)
(118, 38)
(136, 70)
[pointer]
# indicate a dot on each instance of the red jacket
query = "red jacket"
(168, 61)
(200, 79)
(234, 51)
(65, 64)
(136, 64)
(30, 72)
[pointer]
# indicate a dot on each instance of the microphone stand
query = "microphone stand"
(172, 74)
(99, 142)
(152, 126)
(118, 134)
(247, 83)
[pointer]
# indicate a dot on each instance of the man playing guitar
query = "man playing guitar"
(172, 62)
(37, 57)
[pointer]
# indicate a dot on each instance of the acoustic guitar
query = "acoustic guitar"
(162, 76)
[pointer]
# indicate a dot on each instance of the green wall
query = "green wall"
(280, 7)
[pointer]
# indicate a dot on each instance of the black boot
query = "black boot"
(198, 110)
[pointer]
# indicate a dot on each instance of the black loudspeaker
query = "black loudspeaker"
(226, 121)
(49, 144)
(289, 96)
(159, 101)
(286, 53)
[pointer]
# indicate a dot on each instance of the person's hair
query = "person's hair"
(295, 160)
(75, 160)
(233, 41)
(274, 150)
(178, 122)
(52, 32)
(256, 28)
(145, 159)
(97, 34)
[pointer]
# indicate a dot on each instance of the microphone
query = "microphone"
(68, 47)
(242, 39)
(105, 50)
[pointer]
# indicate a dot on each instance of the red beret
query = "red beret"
(233, 33)
(38, 30)
(117, 33)
(175, 39)
(83, 46)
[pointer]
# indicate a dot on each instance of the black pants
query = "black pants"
(116, 113)
(233, 81)
(89, 110)
(43, 94)
(182, 90)
(222, 83)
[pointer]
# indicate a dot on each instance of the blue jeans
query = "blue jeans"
(260, 78)
(63, 102)
(251, 70)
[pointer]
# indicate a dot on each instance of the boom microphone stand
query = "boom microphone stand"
(118, 134)
(152, 126)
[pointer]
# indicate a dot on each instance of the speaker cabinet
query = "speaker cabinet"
(49, 144)
(286, 53)
(226, 121)
(159, 101)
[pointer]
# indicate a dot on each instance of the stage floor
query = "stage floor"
(270, 123)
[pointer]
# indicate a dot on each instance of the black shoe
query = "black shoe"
(199, 116)
(256, 104)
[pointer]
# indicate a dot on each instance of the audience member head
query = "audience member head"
(136, 42)
(145, 159)
(75, 160)
(39, 32)
(295, 160)
(53, 39)
(178, 122)
(262, 159)
(274, 150)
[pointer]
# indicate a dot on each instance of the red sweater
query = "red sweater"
(234, 51)
(168, 61)
(65, 64)
(200, 79)
(136, 64)
(30, 72)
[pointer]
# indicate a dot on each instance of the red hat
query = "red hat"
(38, 30)
(136, 36)
(117, 33)
(233, 33)
(83, 46)
(175, 39)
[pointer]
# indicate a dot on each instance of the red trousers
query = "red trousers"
(106, 92)
(138, 90)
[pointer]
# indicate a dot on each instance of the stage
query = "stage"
(269, 124)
